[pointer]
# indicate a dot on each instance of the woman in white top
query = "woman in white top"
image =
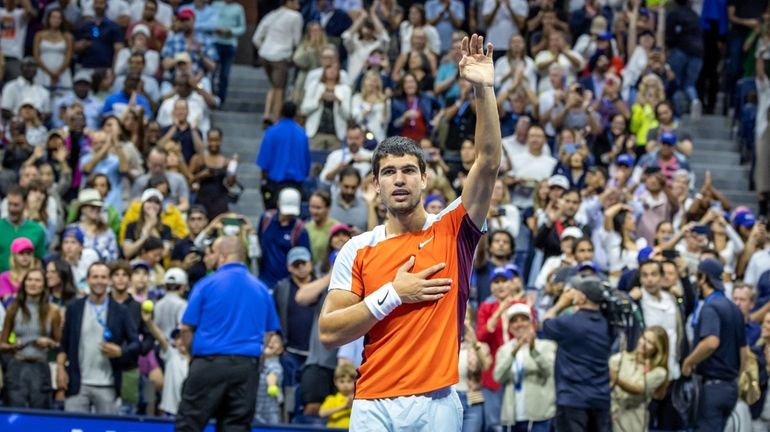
(503, 215)
(326, 106)
(52, 50)
(371, 107)
(639, 49)
(558, 52)
(515, 59)
(419, 48)
(276, 37)
(619, 241)
(416, 19)
(308, 56)
(366, 35)
(725, 239)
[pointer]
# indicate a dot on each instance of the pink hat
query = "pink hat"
(22, 244)
(338, 228)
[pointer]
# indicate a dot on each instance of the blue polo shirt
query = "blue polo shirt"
(582, 370)
(231, 311)
(103, 37)
(276, 242)
(721, 318)
(285, 152)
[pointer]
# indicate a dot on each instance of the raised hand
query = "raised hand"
(475, 66)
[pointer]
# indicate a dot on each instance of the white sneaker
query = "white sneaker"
(696, 109)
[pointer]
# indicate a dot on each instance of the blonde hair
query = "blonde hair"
(651, 80)
(661, 347)
(379, 94)
(345, 371)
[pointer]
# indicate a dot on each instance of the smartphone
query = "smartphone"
(670, 254)
(236, 221)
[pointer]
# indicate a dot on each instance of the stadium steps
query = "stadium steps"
(715, 151)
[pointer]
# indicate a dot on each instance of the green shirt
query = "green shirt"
(319, 239)
(8, 233)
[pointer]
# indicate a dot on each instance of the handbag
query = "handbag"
(234, 191)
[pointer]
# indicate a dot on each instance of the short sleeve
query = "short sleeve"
(654, 379)
(192, 314)
(346, 274)
(709, 324)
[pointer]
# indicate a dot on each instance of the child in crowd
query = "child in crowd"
(336, 407)
(140, 278)
(177, 364)
(269, 396)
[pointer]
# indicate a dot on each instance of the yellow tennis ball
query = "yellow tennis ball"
(148, 305)
(12, 338)
(272, 390)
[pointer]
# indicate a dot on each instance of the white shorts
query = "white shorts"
(439, 410)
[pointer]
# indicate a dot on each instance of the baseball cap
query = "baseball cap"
(644, 254)
(185, 14)
(514, 268)
(289, 201)
(175, 332)
(298, 253)
(519, 309)
(605, 35)
(588, 265)
(668, 138)
(434, 197)
(558, 180)
(713, 270)
(73, 231)
(141, 264)
(22, 244)
(82, 76)
(591, 286)
(573, 232)
(502, 272)
(625, 160)
(745, 219)
(140, 29)
(338, 228)
(175, 276)
(151, 193)
(90, 197)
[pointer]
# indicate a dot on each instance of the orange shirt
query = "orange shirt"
(414, 349)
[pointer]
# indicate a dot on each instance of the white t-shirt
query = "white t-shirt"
(177, 367)
(164, 13)
(530, 167)
(115, 9)
(503, 25)
(278, 34)
(13, 32)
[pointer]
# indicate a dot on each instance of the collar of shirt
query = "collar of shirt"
(233, 265)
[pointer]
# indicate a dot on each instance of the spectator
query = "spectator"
(203, 55)
(337, 407)
(320, 224)
(178, 192)
(52, 49)
(98, 38)
(115, 129)
(154, 31)
(137, 63)
(720, 351)
(22, 262)
(445, 85)
(16, 226)
(188, 254)
(81, 94)
(412, 112)
(36, 325)
(348, 206)
(366, 35)
(181, 131)
(231, 24)
(745, 297)
(557, 52)
(353, 155)
(417, 20)
(329, 56)
(17, 91)
(370, 108)
(226, 330)
(558, 217)
(199, 101)
(206, 16)
(581, 367)
(127, 97)
(308, 56)
(214, 174)
(502, 214)
(447, 16)
(636, 377)
(530, 167)
(117, 11)
(97, 235)
(515, 63)
(77, 256)
(504, 19)
(526, 364)
(106, 157)
(16, 21)
(268, 409)
(619, 240)
(170, 308)
(164, 12)
(61, 285)
(149, 224)
(90, 371)
(496, 252)
(327, 108)
(276, 49)
(70, 11)
(685, 50)
(279, 231)
(284, 156)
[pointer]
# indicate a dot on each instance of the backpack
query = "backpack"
(296, 231)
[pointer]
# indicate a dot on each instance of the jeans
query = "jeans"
(473, 415)
(493, 402)
(717, 401)
(27, 384)
(686, 68)
(226, 58)
(538, 426)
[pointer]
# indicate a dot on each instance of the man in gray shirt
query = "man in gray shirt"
(178, 189)
(348, 206)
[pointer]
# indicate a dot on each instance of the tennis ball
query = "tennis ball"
(148, 305)
(272, 390)
(12, 338)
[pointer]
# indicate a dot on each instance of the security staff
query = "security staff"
(227, 318)
(721, 352)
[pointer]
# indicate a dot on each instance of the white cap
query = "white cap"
(151, 193)
(559, 180)
(140, 28)
(573, 232)
(289, 202)
(175, 276)
(519, 309)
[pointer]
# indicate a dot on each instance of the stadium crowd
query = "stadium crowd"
(114, 185)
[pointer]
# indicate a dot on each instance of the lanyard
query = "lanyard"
(99, 311)
(518, 369)
(696, 312)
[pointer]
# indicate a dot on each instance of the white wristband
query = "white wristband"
(383, 301)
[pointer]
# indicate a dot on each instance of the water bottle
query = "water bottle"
(254, 251)
(232, 166)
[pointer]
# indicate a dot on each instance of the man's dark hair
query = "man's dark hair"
(397, 146)
(581, 240)
(120, 265)
(197, 208)
(535, 126)
(349, 171)
(324, 196)
(216, 130)
(16, 190)
(289, 110)
(353, 125)
(648, 262)
(156, 180)
(151, 243)
(137, 55)
(573, 191)
(96, 264)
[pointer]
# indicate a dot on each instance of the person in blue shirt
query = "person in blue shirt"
(745, 298)
(284, 156)
(229, 315)
(231, 24)
(582, 369)
(720, 353)
(98, 39)
(117, 103)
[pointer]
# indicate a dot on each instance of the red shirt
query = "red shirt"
(494, 339)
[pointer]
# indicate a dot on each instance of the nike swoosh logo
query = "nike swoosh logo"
(422, 244)
(382, 300)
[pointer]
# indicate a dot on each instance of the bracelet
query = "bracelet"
(383, 301)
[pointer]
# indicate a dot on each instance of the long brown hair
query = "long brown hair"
(21, 302)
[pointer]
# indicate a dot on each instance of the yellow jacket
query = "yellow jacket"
(170, 216)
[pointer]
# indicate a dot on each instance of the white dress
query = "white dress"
(52, 57)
